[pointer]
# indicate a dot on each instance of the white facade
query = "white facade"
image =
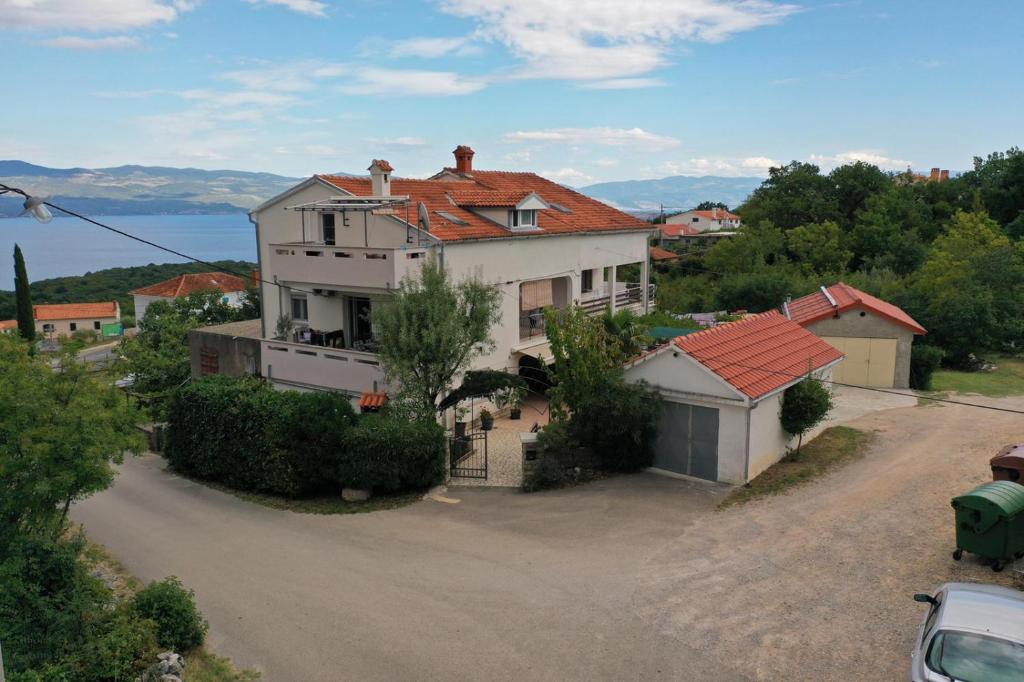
(333, 270)
(706, 221)
(232, 298)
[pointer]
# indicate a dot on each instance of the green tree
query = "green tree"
(793, 195)
(710, 205)
(757, 292)
(158, 356)
(887, 232)
(855, 183)
(432, 330)
(584, 356)
(59, 433)
(817, 248)
(754, 247)
(804, 405)
(23, 296)
(998, 180)
(625, 329)
(250, 300)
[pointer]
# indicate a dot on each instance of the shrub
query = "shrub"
(618, 423)
(128, 321)
(804, 405)
(924, 360)
(391, 454)
(86, 335)
(548, 473)
(179, 625)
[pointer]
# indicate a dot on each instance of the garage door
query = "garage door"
(687, 441)
(869, 362)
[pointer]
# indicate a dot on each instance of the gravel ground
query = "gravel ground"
(817, 584)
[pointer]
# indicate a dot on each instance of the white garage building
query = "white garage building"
(875, 335)
(721, 391)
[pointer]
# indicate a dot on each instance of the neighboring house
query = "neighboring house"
(677, 233)
(64, 319)
(721, 392)
(338, 246)
(660, 255)
(706, 221)
(232, 349)
(231, 286)
(8, 326)
(876, 336)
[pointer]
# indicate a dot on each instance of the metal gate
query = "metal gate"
(468, 455)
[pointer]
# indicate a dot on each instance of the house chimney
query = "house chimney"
(380, 178)
(934, 177)
(944, 176)
(463, 159)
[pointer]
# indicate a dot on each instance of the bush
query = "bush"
(804, 405)
(85, 335)
(390, 454)
(548, 473)
(128, 321)
(243, 433)
(924, 360)
(618, 423)
(179, 625)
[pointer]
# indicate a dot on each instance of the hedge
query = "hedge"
(248, 436)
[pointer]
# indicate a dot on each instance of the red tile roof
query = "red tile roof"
(658, 253)
(488, 198)
(816, 306)
(8, 324)
(722, 215)
(678, 230)
(581, 214)
(382, 164)
(183, 285)
(371, 401)
(74, 311)
(760, 353)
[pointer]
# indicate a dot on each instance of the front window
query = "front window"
(587, 283)
(970, 657)
(328, 228)
(96, 325)
(300, 309)
(523, 219)
(73, 326)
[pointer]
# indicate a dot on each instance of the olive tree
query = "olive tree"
(431, 331)
(804, 406)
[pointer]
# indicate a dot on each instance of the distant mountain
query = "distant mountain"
(141, 189)
(678, 192)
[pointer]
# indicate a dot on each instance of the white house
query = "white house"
(338, 246)
(231, 286)
(706, 221)
(721, 392)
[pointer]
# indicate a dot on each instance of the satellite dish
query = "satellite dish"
(424, 217)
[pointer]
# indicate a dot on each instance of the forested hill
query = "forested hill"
(111, 284)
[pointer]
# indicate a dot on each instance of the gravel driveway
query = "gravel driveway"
(631, 578)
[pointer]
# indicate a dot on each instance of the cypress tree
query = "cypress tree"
(23, 297)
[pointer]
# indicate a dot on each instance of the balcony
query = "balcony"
(344, 266)
(628, 296)
(307, 365)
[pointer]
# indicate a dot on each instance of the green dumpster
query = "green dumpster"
(990, 522)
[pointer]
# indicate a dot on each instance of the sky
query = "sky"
(580, 91)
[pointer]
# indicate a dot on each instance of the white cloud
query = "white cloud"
(312, 8)
(402, 82)
(298, 76)
(431, 48)
(612, 137)
(82, 43)
(873, 156)
(128, 94)
(607, 163)
(90, 15)
(759, 163)
(567, 175)
(601, 39)
(624, 84)
(728, 167)
(402, 142)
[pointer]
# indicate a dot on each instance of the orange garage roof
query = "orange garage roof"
(817, 306)
(74, 311)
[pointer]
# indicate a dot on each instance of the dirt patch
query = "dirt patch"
(817, 583)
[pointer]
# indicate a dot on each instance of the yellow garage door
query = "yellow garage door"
(869, 362)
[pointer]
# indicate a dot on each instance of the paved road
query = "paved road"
(632, 578)
(499, 586)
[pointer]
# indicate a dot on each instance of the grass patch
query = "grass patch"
(200, 664)
(1005, 380)
(833, 448)
(328, 504)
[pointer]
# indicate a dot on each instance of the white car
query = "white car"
(972, 633)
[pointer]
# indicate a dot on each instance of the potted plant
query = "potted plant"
(486, 419)
(517, 396)
(460, 421)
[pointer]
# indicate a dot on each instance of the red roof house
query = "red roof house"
(721, 392)
(875, 335)
(231, 286)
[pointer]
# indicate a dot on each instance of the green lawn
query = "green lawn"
(1006, 379)
(833, 448)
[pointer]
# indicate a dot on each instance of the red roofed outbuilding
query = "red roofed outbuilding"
(232, 286)
(875, 335)
(64, 319)
(721, 391)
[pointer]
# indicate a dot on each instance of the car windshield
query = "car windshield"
(976, 658)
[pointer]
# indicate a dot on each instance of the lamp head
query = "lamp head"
(37, 208)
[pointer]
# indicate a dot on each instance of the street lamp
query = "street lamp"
(34, 206)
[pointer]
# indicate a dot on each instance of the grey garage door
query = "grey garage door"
(687, 441)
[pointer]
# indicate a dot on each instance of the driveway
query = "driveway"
(631, 578)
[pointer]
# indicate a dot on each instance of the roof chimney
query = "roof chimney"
(463, 159)
(380, 178)
(943, 176)
(934, 177)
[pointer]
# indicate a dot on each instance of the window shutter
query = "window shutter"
(536, 295)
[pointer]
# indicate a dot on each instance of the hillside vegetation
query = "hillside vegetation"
(950, 253)
(111, 284)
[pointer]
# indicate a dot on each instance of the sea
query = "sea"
(69, 246)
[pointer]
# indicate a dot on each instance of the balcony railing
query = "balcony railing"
(344, 265)
(532, 323)
(303, 364)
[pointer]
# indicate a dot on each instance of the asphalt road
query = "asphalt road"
(498, 586)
